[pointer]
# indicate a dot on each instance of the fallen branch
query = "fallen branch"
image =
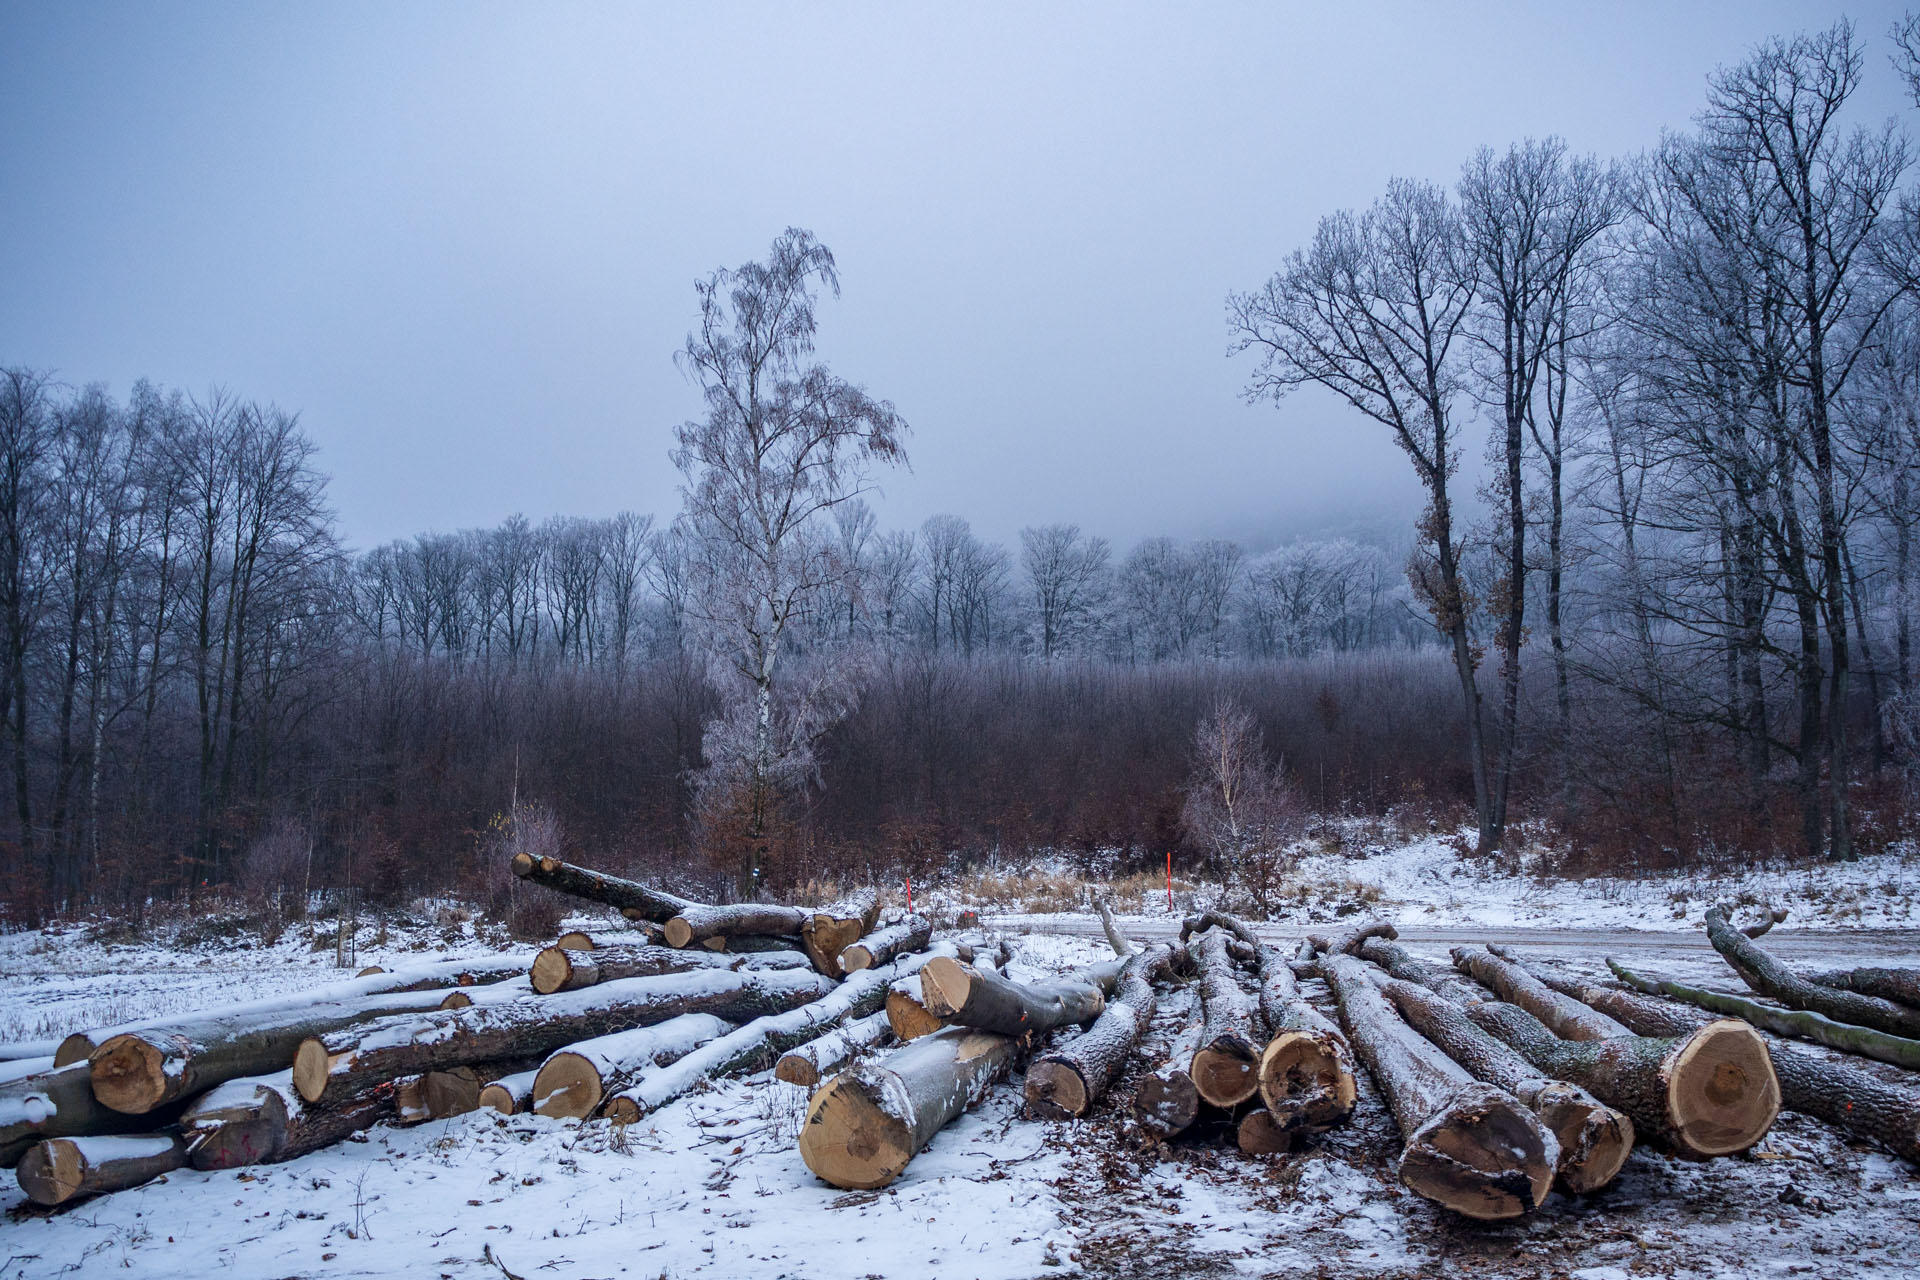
(1804, 1023)
(1470, 1146)
(634, 900)
(1346, 942)
(1765, 974)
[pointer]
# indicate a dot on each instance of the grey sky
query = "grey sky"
(460, 239)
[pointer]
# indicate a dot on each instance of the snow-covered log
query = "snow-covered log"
(1305, 1072)
(1768, 976)
(58, 1102)
(988, 1001)
(563, 969)
(62, 1169)
(697, 922)
(882, 945)
(510, 1095)
(1407, 967)
(1063, 1083)
(262, 1120)
(346, 1062)
(1712, 1092)
(864, 1126)
(574, 1081)
(1470, 1146)
(1564, 1016)
(1166, 1102)
(514, 988)
(1345, 942)
(829, 930)
(1594, 1138)
(810, 1063)
(435, 976)
(1226, 1065)
(759, 1043)
(907, 1012)
(140, 1070)
(634, 900)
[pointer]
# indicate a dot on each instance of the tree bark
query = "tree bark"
(695, 922)
(835, 927)
(1407, 967)
(1566, 1017)
(880, 947)
(1063, 1083)
(573, 1082)
(348, 1061)
(1709, 1093)
(864, 1126)
(1226, 1065)
(555, 970)
(261, 1120)
(1804, 1024)
(141, 1070)
(62, 1169)
(635, 901)
(1470, 1146)
(409, 979)
(1766, 975)
(988, 1001)
(809, 1064)
(1900, 986)
(1594, 1138)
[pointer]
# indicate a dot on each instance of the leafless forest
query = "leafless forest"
(1676, 625)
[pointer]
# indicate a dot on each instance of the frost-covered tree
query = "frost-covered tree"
(782, 443)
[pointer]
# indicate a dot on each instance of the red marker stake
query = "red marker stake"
(909, 895)
(1169, 880)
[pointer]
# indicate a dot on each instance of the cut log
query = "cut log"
(1260, 1134)
(863, 1126)
(369, 971)
(1803, 1023)
(436, 976)
(907, 1012)
(752, 944)
(634, 900)
(1564, 1016)
(140, 1070)
(882, 945)
(814, 1061)
(831, 929)
(510, 1095)
(514, 988)
(58, 1102)
(1407, 967)
(1901, 986)
(1470, 1146)
(557, 969)
(410, 1101)
(25, 1050)
(1226, 1066)
(1347, 941)
(1759, 969)
(1305, 1072)
(988, 1001)
(1064, 1083)
(1849, 1099)
(62, 1169)
(261, 1120)
(575, 941)
(759, 1043)
(1594, 1138)
(1166, 1102)
(697, 922)
(574, 1081)
(1712, 1092)
(345, 1062)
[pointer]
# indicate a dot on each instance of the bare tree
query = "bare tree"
(1066, 574)
(783, 442)
(1372, 311)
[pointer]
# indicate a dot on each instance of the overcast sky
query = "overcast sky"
(460, 239)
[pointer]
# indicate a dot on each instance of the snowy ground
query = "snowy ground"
(713, 1185)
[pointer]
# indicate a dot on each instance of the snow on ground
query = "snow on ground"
(713, 1185)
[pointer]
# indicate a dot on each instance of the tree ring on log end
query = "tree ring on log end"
(848, 1141)
(129, 1075)
(1721, 1089)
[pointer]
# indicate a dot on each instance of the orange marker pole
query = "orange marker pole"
(909, 895)
(1169, 880)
